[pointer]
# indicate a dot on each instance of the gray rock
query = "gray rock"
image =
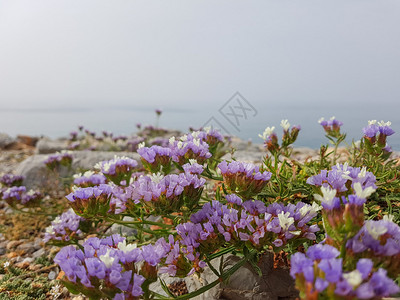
(46, 145)
(244, 284)
(37, 175)
(3, 250)
(28, 247)
(121, 229)
(38, 253)
(6, 140)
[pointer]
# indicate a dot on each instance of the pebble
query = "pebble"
(52, 275)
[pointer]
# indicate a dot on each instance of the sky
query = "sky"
(194, 55)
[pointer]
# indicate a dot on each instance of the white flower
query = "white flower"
(56, 291)
(192, 161)
(371, 122)
(156, 177)
(126, 248)
(172, 140)
(31, 192)
(354, 278)
(312, 209)
(388, 218)
(196, 134)
(363, 193)
(6, 264)
(327, 195)
(180, 145)
(362, 173)
(321, 120)
(375, 230)
(77, 175)
(50, 230)
(87, 174)
(285, 124)
(57, 220)
(196, 142)
(332, 118)
(285, 221)
(267, 132)
(382, 123)
(183, 138)
(141, 145)
(343, 169)
(107, 259)
(207, 129)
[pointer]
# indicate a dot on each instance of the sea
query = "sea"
(59, 122)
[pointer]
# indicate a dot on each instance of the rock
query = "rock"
(13, 244)
(6, 141)
(3, 251)
(121, 229)
(22, 265)
(46, 145)
(38, 253)
(52, 275)
(38, 175)
(27, 247)
(27, 140)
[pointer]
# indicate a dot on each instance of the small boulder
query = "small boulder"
(6, 141)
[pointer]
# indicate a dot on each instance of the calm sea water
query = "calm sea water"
(59, 122)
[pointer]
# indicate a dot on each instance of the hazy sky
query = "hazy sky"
(193, 54)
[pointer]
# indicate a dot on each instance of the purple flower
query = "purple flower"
(11, 180)
(63, 158)
(379, 237)
(63, 227)
(319, 251)
(88, 179)
(91, 200)
(244, 179)
(189, 148)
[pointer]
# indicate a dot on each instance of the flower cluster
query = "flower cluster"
(193, 167)
(64, 227)
(11, 180)
(187, 148)
(320, 272)
(342, 177)
(331, 127)
(110, 267)
(156, 158)
(18, 195)
(118, 169)
(251, 221)
(92, 201)
(12, 194)
(165, 194)
(63, 158)
(375, 135)
(88, 179)
(380, 241)
(288, 137)
(244, 179)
